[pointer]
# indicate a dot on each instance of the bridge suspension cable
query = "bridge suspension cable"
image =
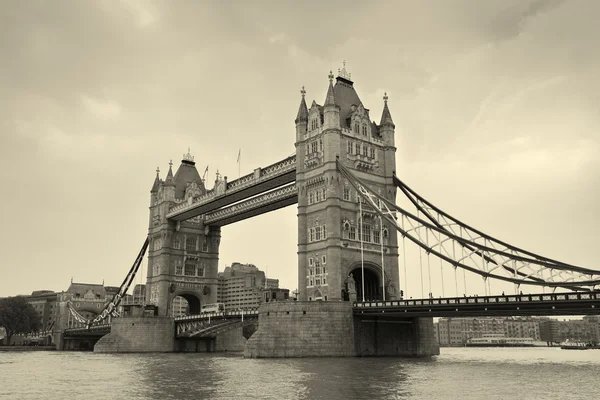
(481, 254)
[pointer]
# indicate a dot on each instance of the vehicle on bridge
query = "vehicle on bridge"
(212, 308)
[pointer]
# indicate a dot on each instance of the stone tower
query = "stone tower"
(331, 265)
(182, 256)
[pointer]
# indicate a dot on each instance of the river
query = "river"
(458, 373)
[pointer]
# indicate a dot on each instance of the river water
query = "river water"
(458, 373)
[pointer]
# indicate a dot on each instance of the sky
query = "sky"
(496, 106)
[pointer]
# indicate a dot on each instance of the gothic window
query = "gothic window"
(154, 295)
(349, 147)
(320, 144)
(310, 261)
(311, 235)
(205, 246)
(190, 268)
(352, 233)
(386, 235)
(376, 236)
(311, 197)
(313, 147)
(357, 148)
(324, 232)
(200, 270)
(178, 267)
(318, 196)
(366, 233)
(317, 234)
(176, 243)
(372, 152)
(323, 260)
(156, 270)
(356, 126)
(190, 243)
(324, 193)
(346, 193)
(364, 150)
(364, 130)
(157, 244)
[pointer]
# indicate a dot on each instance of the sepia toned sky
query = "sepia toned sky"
(496, 105)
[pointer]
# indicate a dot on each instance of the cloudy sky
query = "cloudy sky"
(496, 105)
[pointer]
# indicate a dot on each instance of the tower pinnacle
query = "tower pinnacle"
(342, 73)
(302, 110)
(386, 117)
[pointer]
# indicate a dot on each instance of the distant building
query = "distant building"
(242, 286)
(44, 303)
(518, 327)
(275, 295)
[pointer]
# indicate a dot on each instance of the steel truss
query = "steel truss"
(477, 252)
(110, 308)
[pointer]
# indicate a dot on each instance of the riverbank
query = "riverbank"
(27, 348)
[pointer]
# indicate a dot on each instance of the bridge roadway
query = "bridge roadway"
(572, 303)
(262, 180)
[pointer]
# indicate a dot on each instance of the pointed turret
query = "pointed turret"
(302, 110)
(302, 118)
(169, 181)
(386, 126)
(386, 117)
(156, 182)
(331, 111)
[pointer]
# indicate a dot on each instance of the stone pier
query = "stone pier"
(138, 335)
(329, 329)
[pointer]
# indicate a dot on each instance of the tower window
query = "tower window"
(205, 246)
(346, 193)
(352, 233)
(190, 243)
(349, 147)
(364, 130)
(372, 150)
(356, 127)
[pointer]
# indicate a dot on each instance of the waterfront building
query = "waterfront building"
(518, 327)
(44, 303)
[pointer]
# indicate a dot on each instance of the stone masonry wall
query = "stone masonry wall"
(302, 329)
(138, 335)
(394, 336)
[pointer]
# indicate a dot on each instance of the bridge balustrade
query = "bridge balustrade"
(483, 299)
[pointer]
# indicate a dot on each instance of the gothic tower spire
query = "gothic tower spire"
(331, 111)
(302, 117)
(386, 126)
(156, 181)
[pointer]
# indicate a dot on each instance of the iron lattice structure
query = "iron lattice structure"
(462, 246)
(110, 308)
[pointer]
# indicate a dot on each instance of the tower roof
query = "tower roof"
(302, 110)
(185, 174)
(345, 97)
(386, 117)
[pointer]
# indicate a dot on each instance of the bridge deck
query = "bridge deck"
(582, 303)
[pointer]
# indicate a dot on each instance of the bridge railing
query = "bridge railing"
(520, 298)
(92, 328)
(266, 173)
(223, 314)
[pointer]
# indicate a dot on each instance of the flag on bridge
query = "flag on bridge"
(239, 155)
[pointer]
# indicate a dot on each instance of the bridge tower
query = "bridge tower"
(182, 256)
(330, 260)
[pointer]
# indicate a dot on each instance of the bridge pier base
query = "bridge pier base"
(329, 329)
(394, 336)
(138, 335)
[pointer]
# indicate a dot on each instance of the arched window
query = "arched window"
(356, 125)
(364, 130)
(190, 243)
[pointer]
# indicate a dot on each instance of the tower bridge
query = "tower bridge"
(343, 180)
